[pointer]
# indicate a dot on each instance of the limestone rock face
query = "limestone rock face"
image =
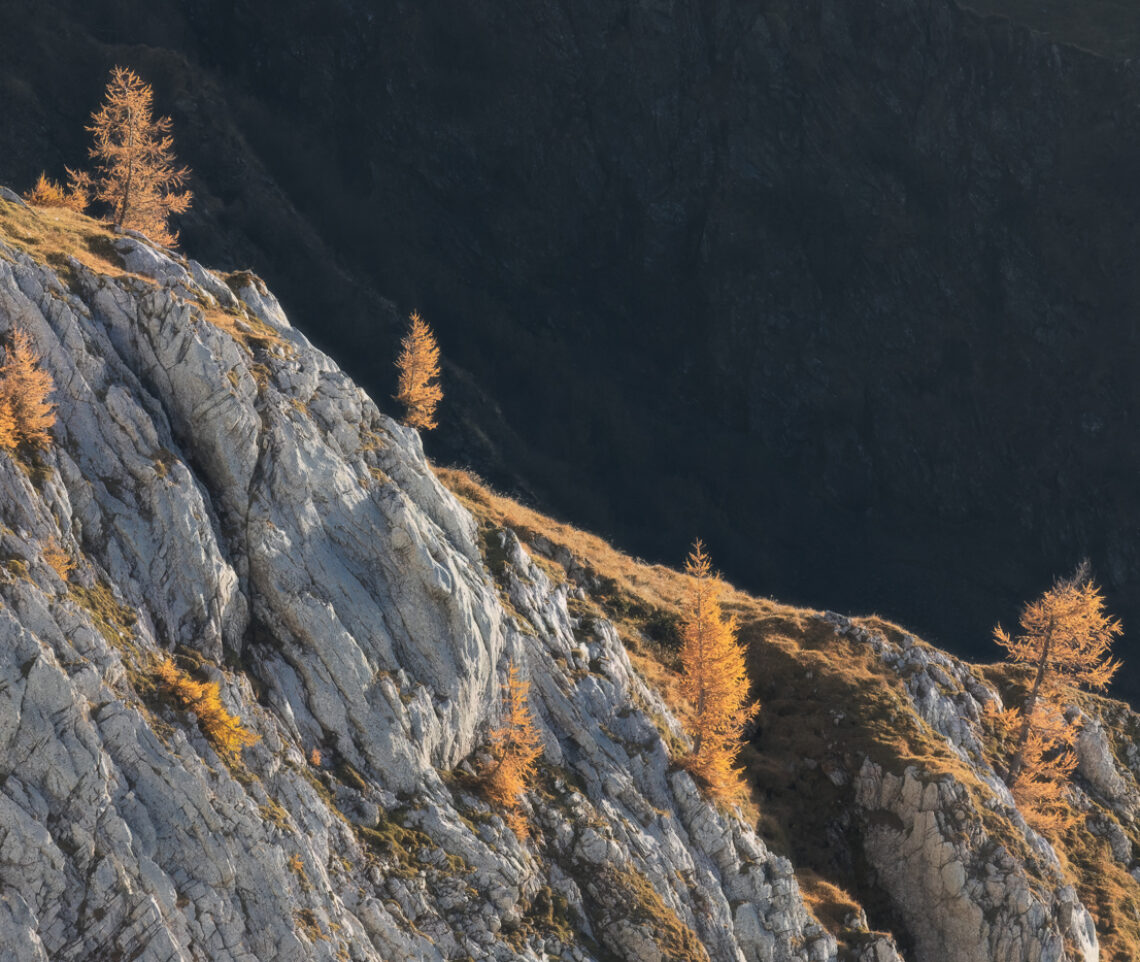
(218, 490)
(225, 493)
(965, 897)
(967, 890)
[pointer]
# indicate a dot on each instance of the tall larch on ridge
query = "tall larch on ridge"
(418, 364)
(1065, 642)
(135, 172)
(715, 682)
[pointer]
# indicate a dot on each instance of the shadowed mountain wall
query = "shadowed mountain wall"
(848, 289)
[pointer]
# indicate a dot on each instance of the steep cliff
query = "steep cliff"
(219, 490)
(224, 492)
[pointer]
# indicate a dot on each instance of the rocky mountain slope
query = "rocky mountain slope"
(219, 490)
(877, 256)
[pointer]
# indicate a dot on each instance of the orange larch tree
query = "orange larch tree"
(1065, 640)
(136, 174)
(418, 364)
(225, 731)
(48, 193)
(715, 682)
(26, 414)
(516, 747)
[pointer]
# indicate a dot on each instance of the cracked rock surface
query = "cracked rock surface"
(225, 493)
(218, 490)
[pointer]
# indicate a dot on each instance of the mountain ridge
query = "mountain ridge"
(228, 496)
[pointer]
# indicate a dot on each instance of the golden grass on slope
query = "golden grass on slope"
(60, 561)
(651, 585)
(53, 235)
(1105, 888)
(836, 910)
(612, 887)
(829, 903)
(644, 602)
(250, 332)
(114, 621)
(827, 703)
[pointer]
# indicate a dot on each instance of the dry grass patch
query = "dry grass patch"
(837, 911)
(1105, 888)
(58, 560)
(115, 622)
(308, 925)
(54, 235)
(621, 895)
(297, 867)
(252, 333)
(828, 702)
(653, 586)
(832, 906)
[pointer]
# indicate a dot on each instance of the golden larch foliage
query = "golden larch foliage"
(1041, 784)
(224, 731)
(715, 682)
(515, 750)
(418, 364)
(48, 193)
(1065, 639)
(135, 172)
(26, 414)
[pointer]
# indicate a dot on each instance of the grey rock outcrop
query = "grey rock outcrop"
(965, 896)
(969, 886)
(225, 492)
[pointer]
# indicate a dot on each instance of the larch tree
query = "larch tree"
(48, 193)
(26, 414)
(136, 175)
(225, 731)
(1065, 641)
(418, 364)
(715, 682)
(516, 747)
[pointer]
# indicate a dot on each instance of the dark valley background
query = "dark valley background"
(849, 288)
